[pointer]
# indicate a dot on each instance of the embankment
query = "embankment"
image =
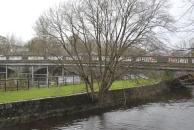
(26, 111)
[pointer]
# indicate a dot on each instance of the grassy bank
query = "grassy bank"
(36, 93)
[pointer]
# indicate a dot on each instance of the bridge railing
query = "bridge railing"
(138, 59)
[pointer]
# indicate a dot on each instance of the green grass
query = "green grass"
(36, 93)
(132, 83)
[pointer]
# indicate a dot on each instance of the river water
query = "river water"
(169, 114)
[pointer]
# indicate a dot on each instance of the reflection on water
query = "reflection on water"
(168, 115)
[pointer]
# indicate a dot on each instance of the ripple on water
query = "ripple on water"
(156, 116)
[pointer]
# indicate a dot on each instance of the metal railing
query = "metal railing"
(17, 84)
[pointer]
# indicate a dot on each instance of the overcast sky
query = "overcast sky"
(18, 16)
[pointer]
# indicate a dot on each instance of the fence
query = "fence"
(38, 82)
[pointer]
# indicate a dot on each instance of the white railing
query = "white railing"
(35, 58)
(3, 58)
(55, 58)
(143, 59)
(15, 58)
(146, 59)
(178, 60)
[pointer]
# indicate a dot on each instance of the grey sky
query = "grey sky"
(18, 16)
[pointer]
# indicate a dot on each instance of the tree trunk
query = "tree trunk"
(90, 92)
(101, 98)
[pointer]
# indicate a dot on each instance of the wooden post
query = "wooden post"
(17, 72)
(32, 75)
(63, 74)
(5, 85)
(38, 84)
(6, 77)
(73, 80)
(28, 83)
(6, 73)
(65, 77)
(57, 81)
(47, 76)
(48, 83)
(17, 85)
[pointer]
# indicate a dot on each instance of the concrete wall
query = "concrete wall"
(26, 111)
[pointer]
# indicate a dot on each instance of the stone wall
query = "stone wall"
(25, 111)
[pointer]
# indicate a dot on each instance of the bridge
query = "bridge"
(147, 62)
(35, 63)
(47, 66)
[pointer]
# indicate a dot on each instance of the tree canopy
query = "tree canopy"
(106, 28)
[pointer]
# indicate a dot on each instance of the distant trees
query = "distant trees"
(4, 47)
(106, 28)
(9, 45)
(43, 47)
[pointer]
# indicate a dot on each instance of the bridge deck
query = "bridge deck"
(145, 62)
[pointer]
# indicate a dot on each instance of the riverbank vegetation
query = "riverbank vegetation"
(168, 75)
(36, 93)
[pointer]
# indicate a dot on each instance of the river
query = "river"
(172, 114)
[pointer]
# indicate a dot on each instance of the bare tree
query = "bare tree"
(106, 29)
